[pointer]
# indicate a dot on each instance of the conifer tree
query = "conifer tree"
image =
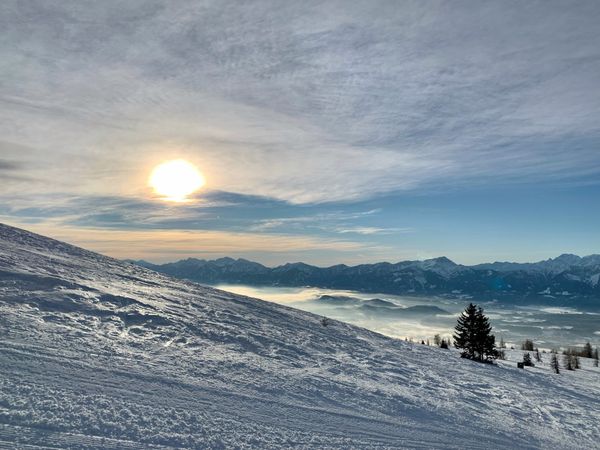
(596, 357)
(527, 360)
(568, 361)
(473, 335)
(554, 363)
(527, 345)
(587, 350)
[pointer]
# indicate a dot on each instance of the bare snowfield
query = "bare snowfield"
(98, 353)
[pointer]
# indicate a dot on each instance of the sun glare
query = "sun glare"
(176, 180)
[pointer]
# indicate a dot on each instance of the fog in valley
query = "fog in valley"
(420, 318)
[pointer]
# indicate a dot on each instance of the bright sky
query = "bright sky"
(326, 131)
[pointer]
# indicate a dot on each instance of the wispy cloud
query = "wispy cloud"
(332, 221)
(374, 230)
(306, 104)
(168, 245)
(213, 210)
(8, 166)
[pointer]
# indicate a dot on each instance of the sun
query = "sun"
(176, 180)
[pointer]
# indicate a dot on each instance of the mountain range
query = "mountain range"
(567, 276)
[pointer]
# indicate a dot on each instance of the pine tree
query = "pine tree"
(568, 361)
(596, 357)
(554, 363)
(527, 360)
(501, 354)
(527, 345)
(587, 350)
(473, 335)
(444, 344)
(465, 331)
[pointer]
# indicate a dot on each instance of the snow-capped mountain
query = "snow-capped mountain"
(553, 266)
(100, 353)
(564, 276)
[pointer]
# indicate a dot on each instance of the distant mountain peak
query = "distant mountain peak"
(568, 257)
(441, 260)
(225, 260)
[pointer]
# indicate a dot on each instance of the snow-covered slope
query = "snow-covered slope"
(97, 353)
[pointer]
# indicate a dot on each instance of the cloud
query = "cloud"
(14, 172)
(167, 245)
(8, 166)
(324, 219)
(210, 210)
(324, 102)
(374, 230)
(219, 224)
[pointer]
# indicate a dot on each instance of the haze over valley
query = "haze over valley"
(553, 302)
(549, 327)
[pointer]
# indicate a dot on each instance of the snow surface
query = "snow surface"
(98, 353)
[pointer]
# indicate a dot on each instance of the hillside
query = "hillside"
(566, 280)
(99, 353)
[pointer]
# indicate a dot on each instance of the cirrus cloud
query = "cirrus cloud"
(328, 102)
